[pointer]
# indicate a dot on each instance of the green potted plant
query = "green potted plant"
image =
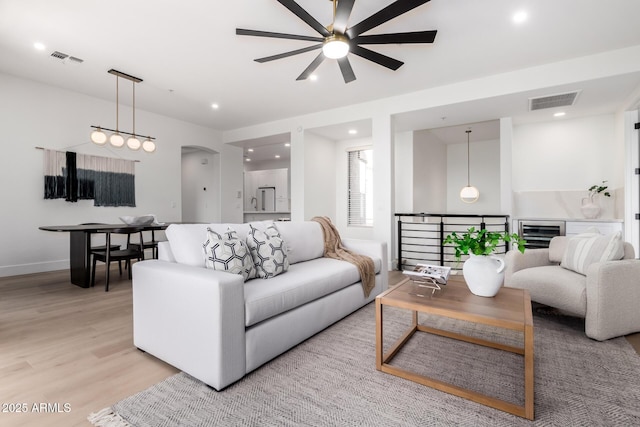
(590, 207)
(483, 271)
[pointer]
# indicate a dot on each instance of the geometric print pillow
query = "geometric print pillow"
(269, 252)
(587, 248)
(227, 252)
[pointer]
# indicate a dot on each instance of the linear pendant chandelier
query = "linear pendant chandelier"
(469, 194)
(98, 137)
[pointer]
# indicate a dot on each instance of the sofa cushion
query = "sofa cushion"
(585, 249)
(186, 239)
(228, 253)
(269, 251)
(303, 283)
(305, 240)
(554, 286)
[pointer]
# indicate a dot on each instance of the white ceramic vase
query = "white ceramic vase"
(484, 274)
(590, 208)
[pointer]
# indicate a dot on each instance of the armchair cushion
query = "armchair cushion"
(585, 249)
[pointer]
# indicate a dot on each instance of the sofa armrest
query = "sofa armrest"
(613, 292)
(373, 249)
(192, 318)
(515, 261)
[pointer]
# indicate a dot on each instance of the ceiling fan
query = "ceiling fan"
(338, 39)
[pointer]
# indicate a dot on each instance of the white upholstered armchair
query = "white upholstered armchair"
(570, 276)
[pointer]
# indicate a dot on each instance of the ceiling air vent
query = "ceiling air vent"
(553, 101)
(59, 55)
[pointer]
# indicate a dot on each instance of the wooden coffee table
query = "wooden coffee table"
(509, 309)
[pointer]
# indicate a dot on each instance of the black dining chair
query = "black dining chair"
(148, 244)
(107, 256)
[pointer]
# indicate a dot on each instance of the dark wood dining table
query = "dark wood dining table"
(80, 244)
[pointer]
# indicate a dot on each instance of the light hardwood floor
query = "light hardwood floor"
(61, 344)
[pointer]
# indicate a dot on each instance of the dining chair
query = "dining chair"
(149, 244)
(107, 256)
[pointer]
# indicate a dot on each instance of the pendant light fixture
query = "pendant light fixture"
(469, 194)
(98, 136)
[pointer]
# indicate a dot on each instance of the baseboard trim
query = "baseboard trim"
(40, 267)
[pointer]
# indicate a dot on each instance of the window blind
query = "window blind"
(360, 192)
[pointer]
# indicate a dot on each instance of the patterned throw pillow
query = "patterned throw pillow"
(227, 252)
(269, 252)
(588, 248)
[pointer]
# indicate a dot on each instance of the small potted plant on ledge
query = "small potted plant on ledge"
(590, 207)
(483, 271)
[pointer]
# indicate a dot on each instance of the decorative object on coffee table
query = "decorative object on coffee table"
(483, 271)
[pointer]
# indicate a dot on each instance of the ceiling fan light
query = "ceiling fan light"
(149, 146)
(469, 194)
(98, 137)
(133, 143)
(335, 46)
(116, 140)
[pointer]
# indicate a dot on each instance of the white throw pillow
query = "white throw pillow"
(227, 252)
(588, 248)
(269, 252)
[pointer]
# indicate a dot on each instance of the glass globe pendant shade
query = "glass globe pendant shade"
(116, 140)
(98, 137)
(335, 46)
(149, 146)
(133, 143)
(469, 194)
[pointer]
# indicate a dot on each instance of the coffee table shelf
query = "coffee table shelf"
(509, 309)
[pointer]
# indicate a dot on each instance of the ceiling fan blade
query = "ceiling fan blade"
(257, 33)
(395, 9)
(287, 54)
(297, 10)
(347, 71)
(411, 37)
(378, 58)
(312, 67)
(342, 15)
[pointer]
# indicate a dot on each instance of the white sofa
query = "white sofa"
(606, 296)
(217, 328)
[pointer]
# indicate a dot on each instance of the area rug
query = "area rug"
(331, 380)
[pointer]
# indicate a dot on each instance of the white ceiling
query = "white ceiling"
(189, 57)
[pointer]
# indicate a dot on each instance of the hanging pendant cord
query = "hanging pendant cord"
(134, 109)
(117, 104)
(468, 155)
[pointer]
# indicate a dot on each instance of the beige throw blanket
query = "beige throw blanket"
(333, 248)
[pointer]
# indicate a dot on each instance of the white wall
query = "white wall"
(404, 172)
(429, 173)
(319, 177)
(34, 114)
(201, 186)
(554, 163)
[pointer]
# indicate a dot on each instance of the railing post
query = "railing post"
(399, 266)
(441, 241)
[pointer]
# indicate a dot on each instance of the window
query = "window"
(360, 203)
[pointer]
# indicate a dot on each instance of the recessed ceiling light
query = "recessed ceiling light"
(250, 150)
(520, 17)
(39, 46)
(277, 156)
(215, 106)
(313, 77)
(286, 144)
(247, 159)
(559, 114)
(353, 131)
